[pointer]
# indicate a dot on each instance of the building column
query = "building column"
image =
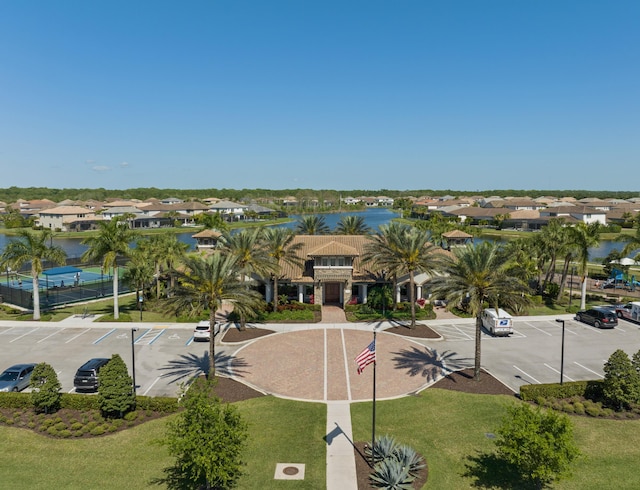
(364, 292)
(268, 291)
(300, 293)
(418, 292)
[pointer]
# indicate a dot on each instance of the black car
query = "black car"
(86, 378)
(598, 317)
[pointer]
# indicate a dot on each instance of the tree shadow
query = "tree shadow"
(428, 363)
(189, 366)
(488, 470)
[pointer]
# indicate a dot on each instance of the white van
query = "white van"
(498, 323)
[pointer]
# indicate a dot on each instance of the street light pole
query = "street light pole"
(561, 353)
(133, 359)
(140, 304)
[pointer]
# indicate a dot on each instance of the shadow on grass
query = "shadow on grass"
(189, 366)
(487, 470)
(428, 363)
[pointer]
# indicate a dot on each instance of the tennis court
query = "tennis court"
(61, 277)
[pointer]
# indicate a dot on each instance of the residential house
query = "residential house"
(67, 218)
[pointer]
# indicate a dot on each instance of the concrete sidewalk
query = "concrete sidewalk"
(341, 463)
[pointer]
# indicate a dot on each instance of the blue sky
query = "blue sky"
(405, 94)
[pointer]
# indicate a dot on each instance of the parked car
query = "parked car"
(86, 378)
(203, 331)
(598, 317)
(630, 311)
(16, 378)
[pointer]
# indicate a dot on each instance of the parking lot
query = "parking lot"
(533, 353)
(166, 355)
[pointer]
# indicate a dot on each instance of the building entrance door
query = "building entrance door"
(332, 293)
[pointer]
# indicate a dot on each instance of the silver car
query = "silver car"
(16, 378)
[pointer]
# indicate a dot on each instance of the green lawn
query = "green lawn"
(448, 428)
(281, 431)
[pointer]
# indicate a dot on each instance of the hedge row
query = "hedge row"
(588, 389)
(87, 402)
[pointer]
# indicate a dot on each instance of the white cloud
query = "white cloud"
(89, 162)
(124, 164)
(100, 168)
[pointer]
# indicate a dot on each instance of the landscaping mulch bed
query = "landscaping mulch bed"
(230, 390)
(234, 334)
(419, 332)
(363, 470)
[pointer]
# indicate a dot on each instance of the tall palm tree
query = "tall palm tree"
(32, 247)
(249, 247)
(406, 252)
(552, 238)
(280, 247)
(479, 275)
(111, 243)
(204, 283)
(164, 250)
(352, 225)
(585, 236)
(312, 225)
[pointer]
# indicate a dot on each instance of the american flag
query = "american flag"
(366, 357)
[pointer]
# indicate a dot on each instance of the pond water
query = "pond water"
(374, 218)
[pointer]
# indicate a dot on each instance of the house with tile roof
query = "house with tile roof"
(67, 218)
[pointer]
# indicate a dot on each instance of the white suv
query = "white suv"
(203, 331)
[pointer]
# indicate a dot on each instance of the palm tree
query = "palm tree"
(280, 247)
(352, 225)
(404, 251)
(139, 271)
(111, 243)
(480, 276)
(32, 247)
(249, 247)
(164, 250)
(204, 284)
(632, 242)
(584, 236)
(312, 225)
(551, 237)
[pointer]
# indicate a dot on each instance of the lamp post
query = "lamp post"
(561, 352)
(133, 359)
(140, 300)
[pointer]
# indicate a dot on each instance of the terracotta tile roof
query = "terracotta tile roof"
(456, 234)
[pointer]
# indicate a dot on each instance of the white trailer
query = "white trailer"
(497, 322)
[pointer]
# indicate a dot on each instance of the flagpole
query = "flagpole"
(373, 425)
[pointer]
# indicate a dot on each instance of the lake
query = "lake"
(374, 218)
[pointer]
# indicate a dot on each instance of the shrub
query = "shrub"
(578, 408)
(538, 443)
(45, 388)
(98, 430)
(621, 384)
(115, 391)
(64, 433)
(131, 415)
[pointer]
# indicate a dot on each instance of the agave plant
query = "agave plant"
(409, 458)
(383, 448)
(391, 475)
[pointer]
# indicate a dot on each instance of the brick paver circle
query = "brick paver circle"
(319, 365)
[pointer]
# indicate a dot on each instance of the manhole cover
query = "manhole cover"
(289, 471)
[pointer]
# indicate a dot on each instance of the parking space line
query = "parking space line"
(74, 338)
(190, 341)
(24, 335)
(463, 333)
(7, 330)
(620, 329)
(157, 337)
(590, 370)
(103, 337)
(141, 335)
(149, 389)
(526, 374)
(566, 329)
(556, 371)
(54, 333)
(538, 329)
